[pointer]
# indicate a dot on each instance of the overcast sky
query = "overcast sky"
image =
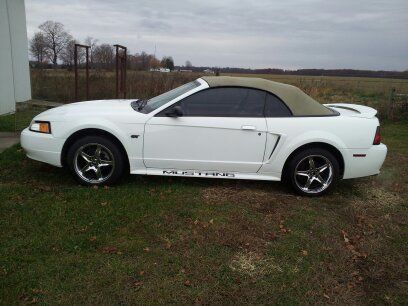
(289, 34)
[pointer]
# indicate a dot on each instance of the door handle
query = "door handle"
(248, 127)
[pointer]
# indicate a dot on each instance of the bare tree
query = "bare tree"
(103, 55)
(56, 38)
(188, 64)
(67, 55)
(38, 47)
(144, 60)
(92, 42)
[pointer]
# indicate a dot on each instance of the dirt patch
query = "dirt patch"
(216, 195)
(258, 199)
(240, 195)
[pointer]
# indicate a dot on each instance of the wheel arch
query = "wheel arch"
(322, 145)
(91, 132)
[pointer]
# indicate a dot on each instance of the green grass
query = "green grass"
(19, 120)
(155, 240)
(7, 123)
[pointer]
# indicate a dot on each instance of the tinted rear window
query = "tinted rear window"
(275, 107)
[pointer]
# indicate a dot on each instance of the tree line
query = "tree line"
(309, 72)
(53, 45)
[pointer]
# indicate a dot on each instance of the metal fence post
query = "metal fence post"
(117, 71)
(124, 77)
(87, 73)
(76, 72)
(121, 63)
(76, 69)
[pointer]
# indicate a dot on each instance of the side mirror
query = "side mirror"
(176, 111)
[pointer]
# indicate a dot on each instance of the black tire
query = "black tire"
(109, 153)
(300, 163)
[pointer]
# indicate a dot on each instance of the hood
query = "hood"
(89, 108)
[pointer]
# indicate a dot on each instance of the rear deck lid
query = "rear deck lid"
(353, 110)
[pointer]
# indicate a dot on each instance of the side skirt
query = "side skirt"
(209, 174)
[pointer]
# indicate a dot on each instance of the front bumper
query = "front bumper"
(363, 162)
(42, 147)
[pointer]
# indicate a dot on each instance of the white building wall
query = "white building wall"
(7, 101)
(15, 83)
(19, 46)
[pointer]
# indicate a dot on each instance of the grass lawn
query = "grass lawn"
(19, 120)
(153, 240)
(7, 123)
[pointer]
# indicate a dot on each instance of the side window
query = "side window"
(224, 102)
(274, 107)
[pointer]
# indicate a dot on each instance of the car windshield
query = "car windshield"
(150, 105)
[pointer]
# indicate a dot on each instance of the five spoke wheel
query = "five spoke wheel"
(313, 174)
(94, 163)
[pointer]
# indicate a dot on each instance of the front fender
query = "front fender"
(64, 130)
(122, 131)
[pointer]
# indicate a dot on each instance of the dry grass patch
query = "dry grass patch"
(377, 197)
(254, 264)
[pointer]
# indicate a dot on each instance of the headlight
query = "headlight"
(40, 127)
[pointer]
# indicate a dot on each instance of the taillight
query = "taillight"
(377, 137)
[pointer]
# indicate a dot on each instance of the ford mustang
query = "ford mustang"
(213, 127)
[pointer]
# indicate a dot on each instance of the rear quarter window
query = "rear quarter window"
(275, 107)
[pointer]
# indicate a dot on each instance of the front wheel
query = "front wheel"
(95, 160)
(313, 172)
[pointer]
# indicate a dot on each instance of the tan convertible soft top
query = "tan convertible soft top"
(299, 103)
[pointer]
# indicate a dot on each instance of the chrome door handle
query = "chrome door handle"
(248, 127)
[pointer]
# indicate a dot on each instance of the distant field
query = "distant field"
(58, 86)
(374, 92)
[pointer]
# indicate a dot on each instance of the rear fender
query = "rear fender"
(287, 147)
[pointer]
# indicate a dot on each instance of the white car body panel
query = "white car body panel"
(239, 148)
(202, 143)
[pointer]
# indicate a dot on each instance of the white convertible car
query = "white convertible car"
(213, 127)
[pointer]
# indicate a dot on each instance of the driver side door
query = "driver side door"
(220, 129)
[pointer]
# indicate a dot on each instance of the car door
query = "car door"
(221, 129)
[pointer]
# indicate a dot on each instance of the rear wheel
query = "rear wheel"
(313, 172)
(95, 160)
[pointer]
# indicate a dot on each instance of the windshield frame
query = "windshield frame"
(201, 85)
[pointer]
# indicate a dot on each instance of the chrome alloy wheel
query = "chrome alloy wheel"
(313, 174)
(94, 163)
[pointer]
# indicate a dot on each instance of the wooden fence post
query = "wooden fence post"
(391, 104)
